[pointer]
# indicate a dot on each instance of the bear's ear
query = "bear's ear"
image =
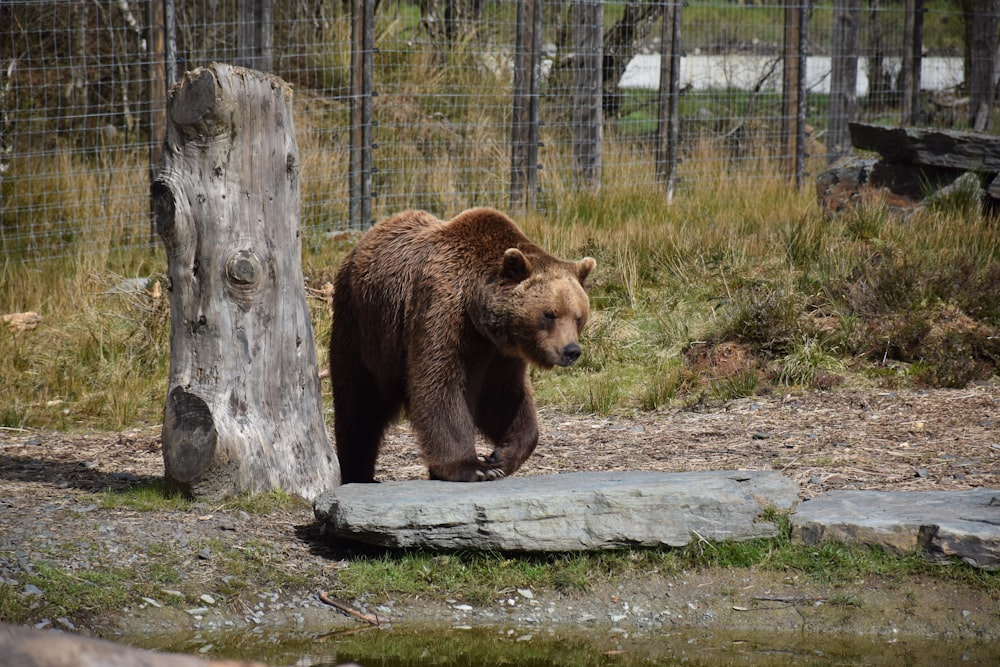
(516, 267)
(584, 267)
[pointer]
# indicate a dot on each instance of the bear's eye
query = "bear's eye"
(550, 316)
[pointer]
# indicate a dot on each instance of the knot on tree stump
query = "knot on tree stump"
(244, 275)
(195, 105)
(188, 418)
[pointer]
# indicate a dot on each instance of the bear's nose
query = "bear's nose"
(571, 353)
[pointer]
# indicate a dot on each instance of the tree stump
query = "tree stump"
(243, 409)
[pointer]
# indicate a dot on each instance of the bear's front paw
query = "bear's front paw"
(490, 475)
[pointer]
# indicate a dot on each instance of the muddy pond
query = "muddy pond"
(540, 647)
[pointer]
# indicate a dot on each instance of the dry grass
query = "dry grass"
(867, 299)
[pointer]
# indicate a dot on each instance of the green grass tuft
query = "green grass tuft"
(805, 363)
(265, 503)
(151, 497)
(481, 578)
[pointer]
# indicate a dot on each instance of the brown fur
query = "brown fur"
(443, 318)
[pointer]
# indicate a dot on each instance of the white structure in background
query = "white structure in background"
(700, 72)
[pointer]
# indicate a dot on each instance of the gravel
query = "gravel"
(889, 440)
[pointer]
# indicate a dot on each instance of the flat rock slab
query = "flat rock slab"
(965, 524)
(968, 151)
(569, 512)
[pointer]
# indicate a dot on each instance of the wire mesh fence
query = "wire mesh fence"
(446, 104)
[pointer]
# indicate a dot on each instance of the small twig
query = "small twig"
(789, 599)
(703, 541)
(371, 619)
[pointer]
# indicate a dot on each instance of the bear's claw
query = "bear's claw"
(490, 475)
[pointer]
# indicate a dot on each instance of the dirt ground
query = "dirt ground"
(913, 440)
(890, 440)
(886, 440)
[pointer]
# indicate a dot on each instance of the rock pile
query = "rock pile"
(915, 166)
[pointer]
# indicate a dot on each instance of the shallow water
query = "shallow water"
(414, 647)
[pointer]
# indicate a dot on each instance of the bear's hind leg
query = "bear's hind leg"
(361, 416)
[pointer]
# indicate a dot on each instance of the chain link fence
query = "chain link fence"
(446, 104)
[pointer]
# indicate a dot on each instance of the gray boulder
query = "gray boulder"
(965, 524)
(569, 512)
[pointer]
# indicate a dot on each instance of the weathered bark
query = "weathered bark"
(75, 94)
(621, 43)
(362, 107)
(524, 117)
(909, 75)
(586, 119)
(243, 409)
(446, 20)
(793, 91)
(156, 115)
(668, 118)
(843, 76)
(256, 45)
(981, 20)
(880, 93)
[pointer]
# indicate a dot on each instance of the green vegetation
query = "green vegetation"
(724, 293)
(76, 594)
(265, 503)
(152, 497)
(742, 292)
(474, 577)
(156, 497)
(246, 569)
(479, 578)
(99, 356)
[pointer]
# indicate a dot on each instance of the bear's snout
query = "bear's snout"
(570, 354)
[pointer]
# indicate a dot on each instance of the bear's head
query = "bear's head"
(545, 308)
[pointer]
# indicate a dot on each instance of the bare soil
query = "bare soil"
(886, 440)
(889, 440)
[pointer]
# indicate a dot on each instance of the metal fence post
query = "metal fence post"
(668, 121)
(362, 91)
(524, 121)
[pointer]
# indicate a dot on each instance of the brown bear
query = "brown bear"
(443, 318)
